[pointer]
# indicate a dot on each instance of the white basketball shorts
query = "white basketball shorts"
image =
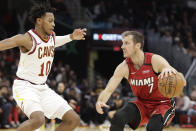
(31, 98)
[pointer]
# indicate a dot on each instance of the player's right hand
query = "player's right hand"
(99, 106)
(167, 72)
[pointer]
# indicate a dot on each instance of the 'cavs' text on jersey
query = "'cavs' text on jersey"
(46, 51)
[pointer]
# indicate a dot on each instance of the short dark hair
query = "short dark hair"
(137, 37)
(39, 10)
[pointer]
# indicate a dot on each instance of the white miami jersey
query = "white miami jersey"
(35, 65)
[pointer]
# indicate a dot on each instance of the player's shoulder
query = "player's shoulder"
(25, 40)
(122, 69)
(122, 65)
(156, 57)
(27, 36)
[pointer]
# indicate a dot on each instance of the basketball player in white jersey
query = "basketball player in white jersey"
(30, 91)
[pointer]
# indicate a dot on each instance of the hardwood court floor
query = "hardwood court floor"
(127, 129)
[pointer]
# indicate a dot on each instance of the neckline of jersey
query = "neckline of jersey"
(40, 36)
(142, 64)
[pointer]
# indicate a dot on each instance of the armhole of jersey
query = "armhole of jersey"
(152, 67)
(128, 62)
(155, 72)
(32, 50)
(147, 61)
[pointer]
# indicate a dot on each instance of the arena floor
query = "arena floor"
(127, 129)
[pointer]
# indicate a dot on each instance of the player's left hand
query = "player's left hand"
(167, 72)
(99, 106)
(78, 34)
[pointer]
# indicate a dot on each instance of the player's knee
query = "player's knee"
(155, 123)
(72, 119)
(76, 120)
(38, 119)
(38, 122)
(118, 119)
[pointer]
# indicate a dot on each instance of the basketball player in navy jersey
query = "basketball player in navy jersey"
(141, 70)
(30, 91)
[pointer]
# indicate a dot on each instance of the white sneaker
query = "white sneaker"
(106, 124)
(13, 124)
(92, 125)
(17, 123)
(82, 123)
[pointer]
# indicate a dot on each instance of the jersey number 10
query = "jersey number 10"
(47, 69)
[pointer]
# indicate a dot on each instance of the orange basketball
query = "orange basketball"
(171, 86)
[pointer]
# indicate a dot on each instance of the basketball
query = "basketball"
(171, 86)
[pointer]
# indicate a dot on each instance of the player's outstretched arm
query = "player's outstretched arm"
(160, 65)
(120, 72)
(78, 34)
(16, 41)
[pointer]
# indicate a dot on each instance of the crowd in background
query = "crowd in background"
(172, 20)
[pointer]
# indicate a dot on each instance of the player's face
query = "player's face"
(48, 23)
(128, 46)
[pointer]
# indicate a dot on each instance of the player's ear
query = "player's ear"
(138, 45)
(38, 21)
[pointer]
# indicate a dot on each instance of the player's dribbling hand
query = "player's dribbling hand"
(99, 106)
(167, 72)
(78, 34)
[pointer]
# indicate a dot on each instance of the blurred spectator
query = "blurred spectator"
(62, 12)
(61, 90)
(87, 105)
(185, 110)
(99, 85)
(193, 94)
(162, 19)
(5, 107)
(117, 102)
(74, 92)
(184, 103)
(13, 116)
(179, 45)
(100, 11)
(168, 37)
(192, 49)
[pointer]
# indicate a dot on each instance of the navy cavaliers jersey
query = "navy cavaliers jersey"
(144, 82)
